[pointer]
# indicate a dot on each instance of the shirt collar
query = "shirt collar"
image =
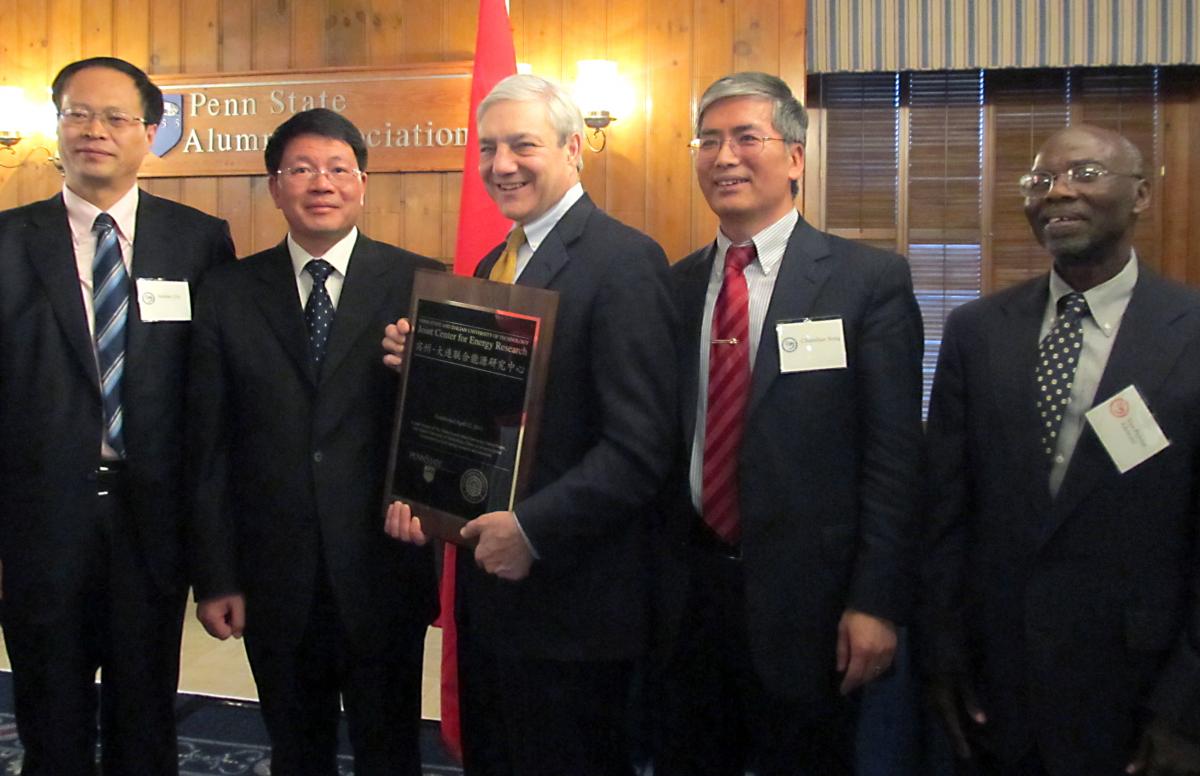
(338, 254)
(537, 229)
(1107, 301)
(769, 244)
(82, 214)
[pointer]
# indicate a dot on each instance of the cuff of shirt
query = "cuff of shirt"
(532, 550)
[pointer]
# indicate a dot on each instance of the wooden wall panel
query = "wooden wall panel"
(201, 36)
(236, 31)
(625, 163)
(667, 52)
(132, 30)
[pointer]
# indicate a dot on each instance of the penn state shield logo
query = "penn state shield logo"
(170, 129)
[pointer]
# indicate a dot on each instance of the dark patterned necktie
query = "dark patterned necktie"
(728, 391)
(110, 298)
(1058, 357)
(318, 312)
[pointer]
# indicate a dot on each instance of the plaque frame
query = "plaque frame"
(488, 296)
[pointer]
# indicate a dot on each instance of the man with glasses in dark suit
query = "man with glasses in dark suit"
(1060, 626)
(94, 329)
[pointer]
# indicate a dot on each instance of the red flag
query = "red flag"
(480, 227)
(480, 223)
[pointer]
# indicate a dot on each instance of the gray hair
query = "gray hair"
(565, 116)
(789, 117)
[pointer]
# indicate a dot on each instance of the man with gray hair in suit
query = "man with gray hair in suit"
(553, 609)
(786, 561)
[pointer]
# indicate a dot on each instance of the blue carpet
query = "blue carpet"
(221, 738)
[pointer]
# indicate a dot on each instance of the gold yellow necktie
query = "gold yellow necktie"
(505, 268)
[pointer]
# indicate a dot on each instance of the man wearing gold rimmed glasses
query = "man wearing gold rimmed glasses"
(786, 562)
(291, 414)
(1060, 621)
(94, 327)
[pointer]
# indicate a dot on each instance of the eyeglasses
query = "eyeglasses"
(743, 146)
(303, 173)
(1037, 184)
(113, 119)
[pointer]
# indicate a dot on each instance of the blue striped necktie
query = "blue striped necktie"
(110, 295)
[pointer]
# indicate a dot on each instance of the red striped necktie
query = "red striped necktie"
(728, 393)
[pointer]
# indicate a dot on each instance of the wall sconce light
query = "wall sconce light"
(597, 90)
(21, 120)
(12, 111)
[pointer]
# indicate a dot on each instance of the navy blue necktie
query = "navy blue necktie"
(1058, 357)
(110, 297)
(318, 312)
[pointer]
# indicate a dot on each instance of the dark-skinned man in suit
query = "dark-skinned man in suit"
(785, 568)
(94, 330)
(1060, 625)
(292, 414)
(553, 609)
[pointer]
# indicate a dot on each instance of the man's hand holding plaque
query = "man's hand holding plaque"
(502, 548)
(472, 358)
(395, 337)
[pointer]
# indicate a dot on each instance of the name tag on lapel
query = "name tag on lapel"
(809, 345)
(1127, 429)
(164, 300)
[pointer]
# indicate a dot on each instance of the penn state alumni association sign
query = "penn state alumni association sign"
(414, 118)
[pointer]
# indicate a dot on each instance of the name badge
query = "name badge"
(1128, 431)
(164, 300)
(809, 345)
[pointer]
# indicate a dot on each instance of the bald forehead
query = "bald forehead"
(1085, 143)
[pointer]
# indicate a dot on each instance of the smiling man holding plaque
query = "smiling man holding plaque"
(552, 610)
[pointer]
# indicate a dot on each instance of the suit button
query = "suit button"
(318, 457)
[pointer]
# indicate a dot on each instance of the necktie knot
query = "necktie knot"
(320, 270)
(103, 224)
(738, 257)
(516, 238)
(505, 268)
(1073, 306)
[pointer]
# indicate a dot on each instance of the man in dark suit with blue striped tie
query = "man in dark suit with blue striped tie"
(94, 328)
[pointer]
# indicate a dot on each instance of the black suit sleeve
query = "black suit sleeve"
(889, 383)
(1176, 695)
(631, 363)
(212, 553)
(941, 647)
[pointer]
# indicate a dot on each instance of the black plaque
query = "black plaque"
(469, 405)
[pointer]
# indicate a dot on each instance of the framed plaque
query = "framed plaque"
(470, 398)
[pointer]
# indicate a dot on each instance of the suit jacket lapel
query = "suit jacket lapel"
(362, 294)
(280, 304)
(48, 247)
(693, 286)
(802, 272)
(1148, 320)
(151, 259)
(552, 255)
(1013, 347)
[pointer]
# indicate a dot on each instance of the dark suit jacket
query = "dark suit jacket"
(50, 410)
(1079, 614)
(605, 447)
(828, 465)
(290, 468)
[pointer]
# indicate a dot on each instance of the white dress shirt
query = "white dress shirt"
(1106, 306)
(338, 256)
(81, 215)
(761, 274)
